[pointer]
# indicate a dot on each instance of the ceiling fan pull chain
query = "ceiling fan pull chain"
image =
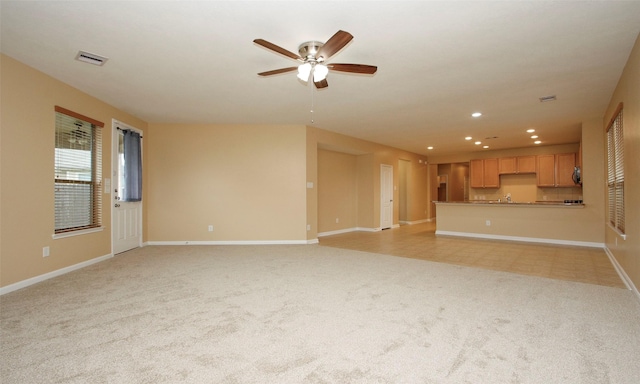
(312, 103)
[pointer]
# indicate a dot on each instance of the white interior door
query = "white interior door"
(386, 196)
(126, 223)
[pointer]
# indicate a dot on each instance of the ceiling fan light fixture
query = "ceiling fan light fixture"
(304, 71)
(320, 72)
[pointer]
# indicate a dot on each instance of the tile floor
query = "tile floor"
(581, 264)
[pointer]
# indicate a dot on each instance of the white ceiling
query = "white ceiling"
(195, 62)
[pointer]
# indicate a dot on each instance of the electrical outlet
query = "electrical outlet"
(337, 220)
(211, 228)
(308, 227)
(488, 223)
(45, 251)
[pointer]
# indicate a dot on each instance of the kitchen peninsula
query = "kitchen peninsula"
(543, 222)
(537, 212)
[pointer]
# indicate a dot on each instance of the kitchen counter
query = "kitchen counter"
(515, 203)
(553, 222)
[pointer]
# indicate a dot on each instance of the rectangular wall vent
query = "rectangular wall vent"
(547, 98)
(91, 58)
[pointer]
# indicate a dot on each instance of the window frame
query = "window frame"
(95, 205)
(615, 172)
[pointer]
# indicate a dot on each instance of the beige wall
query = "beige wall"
(627, 252)
(418, 191)
(337, 191)
(432, 170)
(27, 182)
(249, 182)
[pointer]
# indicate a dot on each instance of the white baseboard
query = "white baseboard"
(337, 232)
(352, 229)
(522, 239)
(50, 275)
(415, 222)
(623, 275)
(233, 242)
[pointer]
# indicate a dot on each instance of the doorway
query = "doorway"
(443, 188)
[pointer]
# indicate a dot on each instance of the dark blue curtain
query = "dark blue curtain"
(132, 166)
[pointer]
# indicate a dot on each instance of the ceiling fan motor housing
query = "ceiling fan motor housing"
(309, 49)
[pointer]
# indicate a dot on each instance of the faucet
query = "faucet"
(508, 197)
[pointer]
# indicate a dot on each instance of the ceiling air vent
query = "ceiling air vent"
(548, 98)
(91, 58)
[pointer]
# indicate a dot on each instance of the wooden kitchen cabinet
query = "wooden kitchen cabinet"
(507, 165)
(546, 170)
(526, 164)
(555, 170)
(516, 165)
(565, 165)
(484, 173)
(476, 170)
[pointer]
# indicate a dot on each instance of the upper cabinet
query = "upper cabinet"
(515, 165)
(484, 173)
(546, 173)
(565, 166)
(556, 170)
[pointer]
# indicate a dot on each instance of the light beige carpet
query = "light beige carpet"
(312, 314)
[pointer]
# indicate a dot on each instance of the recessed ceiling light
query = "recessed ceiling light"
(534, 136)
(478, 142)
(485, 147)
(537, 142)
(429, 147)
(530, 130)
(476, 114)
(468, 138)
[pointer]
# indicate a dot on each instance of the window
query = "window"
(78, 172)
(615, 171)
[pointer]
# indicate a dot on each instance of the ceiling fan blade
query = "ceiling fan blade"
(353, 68)
(277, 49)
(334, 44)
(278, 71)
(321, 84)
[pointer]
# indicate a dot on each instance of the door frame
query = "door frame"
(115, 124)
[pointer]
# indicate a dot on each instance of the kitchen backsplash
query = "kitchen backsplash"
(523, 188)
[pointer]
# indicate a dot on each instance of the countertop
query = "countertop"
(515, 203)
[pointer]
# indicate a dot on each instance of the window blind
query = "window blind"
(78, 172)
(615, 171)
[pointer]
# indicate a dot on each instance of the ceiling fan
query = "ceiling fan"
(314, 56)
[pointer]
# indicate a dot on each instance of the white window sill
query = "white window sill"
(76, 233)
(617, 232)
